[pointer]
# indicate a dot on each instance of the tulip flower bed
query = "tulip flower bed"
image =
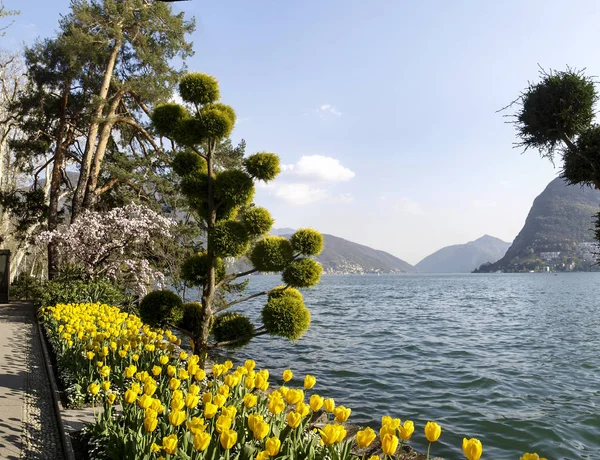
(172, 410)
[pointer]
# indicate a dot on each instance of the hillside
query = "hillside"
(464, 258)
(341, 256)
(558, 232)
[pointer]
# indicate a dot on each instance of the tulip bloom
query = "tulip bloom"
(293, 419)
(170, 444)
(130, 396)
(223, 423)
(309, 382)
(174, 383)
(210, 410)
(130, 371)
(201, 441)
(228, 439)
(150, 424)
(250, 364)
(472, 448)
(250, 401)
(156, 370)
(341, 414)
(389, 444)
(432, 431)
(177, 417)
(196, 425)
(263, 455)
(329, 405)
(191, 401)
(330, 434)
(94, 388)
(260, 429)
(272, 446)
(365, 437)
(164, 359)
(294, 396)
(276, 405)
(302, 409)
(529, 456)
(406, 430)
(200, 375)
(316, 402)
(287, 375)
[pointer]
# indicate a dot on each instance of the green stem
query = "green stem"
(428, 447)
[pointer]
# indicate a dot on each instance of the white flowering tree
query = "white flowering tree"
(116, 244)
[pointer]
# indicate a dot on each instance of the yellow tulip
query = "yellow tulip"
(293, 419)
(262, 455)
(229, 411)
(144, 401)
(341, 414)
(228, 439)
(223, 423)
(156, 370)
(191, 401)
(260, 430)
(432, 431)
(174, 383)
(287, 375)
(169, 444)
(111, 398)
(219, 400)
(171, 370)
(157, 405)
(276, 405)
(183, 374)
(309, 382)
(294, 396)
(332, 433)
(250, 364)
(218, 369)
(223, 390)
(94, 388)
(253, 419)
(194, 389)
(150, 424)
(261, 382)
(207, 397)
(155, 448)
(200, 375)
(405, 431)
(472, 448)
(150, 387)
(135, 357)
(130, 396)
(365, 437)
(201, 441)
(177, 417)
(106, 385)
(90, 355)
(210, 410)
(272, 446)
(183, 356)
(316, 402)
(374, 457)
(130, 371)
(529, 456)
(389, 444)
(329, 405)
(250, 401)
(196, 425)
(163, 359)
(303, 409)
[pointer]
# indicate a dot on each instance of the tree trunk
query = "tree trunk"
(55, 183)
(92, 183)
(208, 292)
(90, 145)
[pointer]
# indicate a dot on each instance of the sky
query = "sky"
(384, 113)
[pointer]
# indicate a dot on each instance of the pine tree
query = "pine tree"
(221, 194)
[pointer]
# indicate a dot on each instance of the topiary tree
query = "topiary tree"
(556, 116)
(221, 194)
(161, 308)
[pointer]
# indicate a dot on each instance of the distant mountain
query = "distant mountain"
(464, 258)
(558, 233)
(341, 256)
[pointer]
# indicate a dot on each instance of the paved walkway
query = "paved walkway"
(28, 427)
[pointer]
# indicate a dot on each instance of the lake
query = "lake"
(512, 359)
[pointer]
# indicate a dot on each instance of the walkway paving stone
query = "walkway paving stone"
(28, 426)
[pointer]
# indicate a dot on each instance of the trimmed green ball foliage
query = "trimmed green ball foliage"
(233, 326)
(579, 166)
(159, 308)
(194, 187)
(199, 88)
(271, 254)
(195, 269)
(226, 109)
(302, 273)
(285, 315)
(167, 116)
(263, 166)
(562, 104)
(189, 132)
(234, 188)
(258, 221)
(188, 162)
(215, 123)
(191, 319)
(307, 241)
(229, 238)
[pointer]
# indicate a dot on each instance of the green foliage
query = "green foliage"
(285, 315)
(229, 238)
(79, 291)
(25, 287)
(191, 320)
(307, 241)
(199, 88)
(582, 163)
(562, 104)
(233, 327)
(226, 110)
(271, 254)
(234, 188)
(159, 308)
(189, 163)
(258, 221)
(215, 123)
(168, 116)
(302, 273)
(195, 269)
(263, 166)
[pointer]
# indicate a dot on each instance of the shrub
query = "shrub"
(25, 287)
(195, 269)
(258, 221)
(229, 239)
(192, 312)
(307, 241)
(285, 315)
(263, 166)
(271, 254)
(233, 326)
(302, 273)
(79, 291)
(159, 308)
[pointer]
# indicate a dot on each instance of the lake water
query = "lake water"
(512, 359)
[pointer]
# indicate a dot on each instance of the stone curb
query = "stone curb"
(64, 438)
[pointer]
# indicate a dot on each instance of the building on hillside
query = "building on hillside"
(549, 255)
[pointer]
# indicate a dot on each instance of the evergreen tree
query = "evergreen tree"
(221, 194)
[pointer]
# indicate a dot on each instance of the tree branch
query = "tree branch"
(233, 342)
(235, 276)
(235, 302)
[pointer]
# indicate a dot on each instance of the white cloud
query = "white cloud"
(309, 180)
(328, 109)
(319, 168)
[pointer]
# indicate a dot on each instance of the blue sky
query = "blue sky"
(383, 112)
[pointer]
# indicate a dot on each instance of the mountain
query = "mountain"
(341, 256)
(558, 233)
(464, 258)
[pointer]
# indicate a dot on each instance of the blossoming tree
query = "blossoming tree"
(114, 244)
(222, 200)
